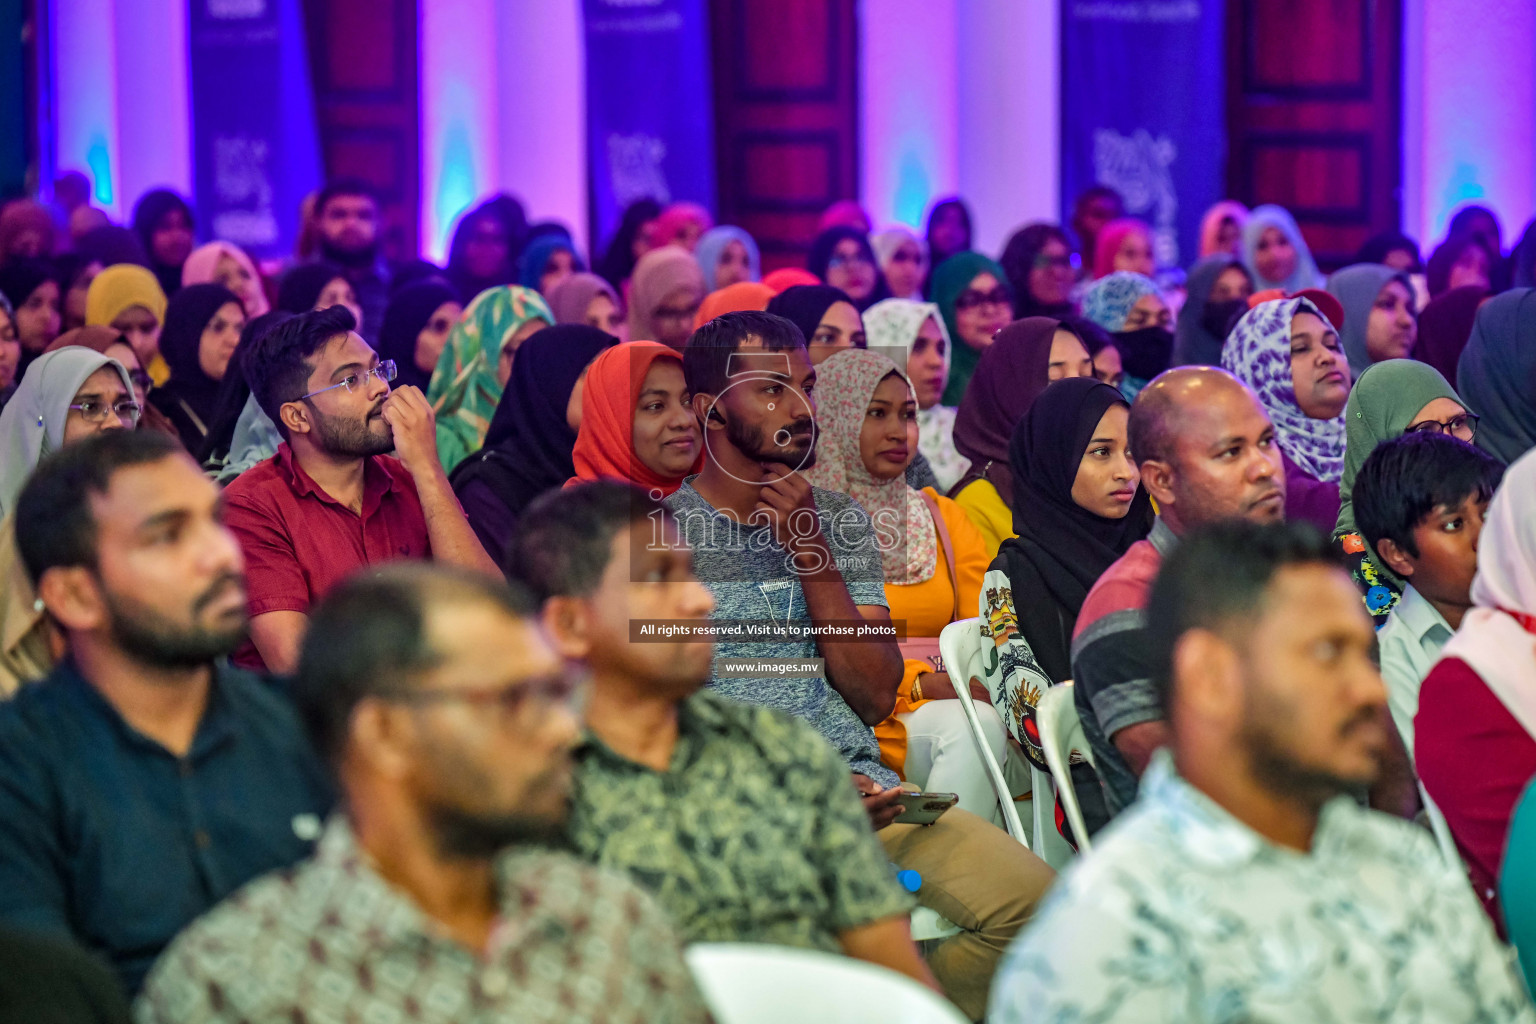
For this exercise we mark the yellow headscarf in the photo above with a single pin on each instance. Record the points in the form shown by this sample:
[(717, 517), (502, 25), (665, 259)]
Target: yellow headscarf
[(123, 286)]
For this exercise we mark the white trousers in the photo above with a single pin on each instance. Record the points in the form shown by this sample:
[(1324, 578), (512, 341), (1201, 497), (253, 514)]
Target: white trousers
[(942, 756)]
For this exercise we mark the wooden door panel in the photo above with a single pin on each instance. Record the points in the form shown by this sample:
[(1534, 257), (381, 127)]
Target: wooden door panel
[(786, 128), (1314, 115)]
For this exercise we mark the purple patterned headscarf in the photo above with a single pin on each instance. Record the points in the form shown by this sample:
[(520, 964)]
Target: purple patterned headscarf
[(1258, 353)]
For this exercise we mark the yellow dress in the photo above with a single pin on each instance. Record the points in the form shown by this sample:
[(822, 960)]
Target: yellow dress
[(926, 608), (989, 512)]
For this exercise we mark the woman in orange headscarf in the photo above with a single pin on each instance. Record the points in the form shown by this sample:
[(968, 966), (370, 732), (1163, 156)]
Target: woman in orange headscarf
[(636, 421)]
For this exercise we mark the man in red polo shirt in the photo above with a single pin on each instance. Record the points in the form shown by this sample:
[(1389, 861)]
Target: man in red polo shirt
[(332, 500)]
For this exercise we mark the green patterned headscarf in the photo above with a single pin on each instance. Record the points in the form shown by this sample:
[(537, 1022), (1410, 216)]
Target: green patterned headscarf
[(950, 278), (1382, 404), (464, 390)]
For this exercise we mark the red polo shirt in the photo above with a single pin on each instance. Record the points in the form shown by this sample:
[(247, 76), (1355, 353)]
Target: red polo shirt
[(299, 542)]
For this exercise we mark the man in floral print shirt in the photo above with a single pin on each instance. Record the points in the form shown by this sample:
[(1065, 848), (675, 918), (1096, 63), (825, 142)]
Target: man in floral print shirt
[(1244, 885), (450, 720)]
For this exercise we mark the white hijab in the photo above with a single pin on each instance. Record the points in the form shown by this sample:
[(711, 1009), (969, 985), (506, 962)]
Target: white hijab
[(1491, 640), (32, 423)]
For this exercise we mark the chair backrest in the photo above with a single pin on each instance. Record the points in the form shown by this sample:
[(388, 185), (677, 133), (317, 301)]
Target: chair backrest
[(967, 655), (1061, 732), (748, 983)]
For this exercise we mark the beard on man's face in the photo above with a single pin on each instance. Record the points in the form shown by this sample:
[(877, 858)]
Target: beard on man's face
[(358, 439), (468, 835), (151, 639), (754, 443)]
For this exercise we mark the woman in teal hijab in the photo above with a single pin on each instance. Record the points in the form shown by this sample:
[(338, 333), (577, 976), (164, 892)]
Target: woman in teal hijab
[(976, 302), (1388, 398)]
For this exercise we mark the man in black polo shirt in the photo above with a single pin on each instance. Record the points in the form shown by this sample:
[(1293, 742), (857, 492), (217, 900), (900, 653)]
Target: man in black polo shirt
[(142, 781)]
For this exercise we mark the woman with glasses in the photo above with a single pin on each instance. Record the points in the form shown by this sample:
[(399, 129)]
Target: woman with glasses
[(665, 294), (974, 297), (842, 257), (66, 395), (115, 345), (202, 329), (1380, 320), (1390, 399), (1038, 262)]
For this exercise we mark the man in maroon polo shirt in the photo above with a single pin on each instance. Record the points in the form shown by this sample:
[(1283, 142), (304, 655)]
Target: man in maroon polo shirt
[(332, 499)]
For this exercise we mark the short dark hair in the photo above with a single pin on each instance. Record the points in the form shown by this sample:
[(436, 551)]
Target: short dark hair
[(1147, 430), (707, 357), (349, 186), (1406, 478), (561, 545), (54, 524), (368, 637), (281, 360), (1219, 573)]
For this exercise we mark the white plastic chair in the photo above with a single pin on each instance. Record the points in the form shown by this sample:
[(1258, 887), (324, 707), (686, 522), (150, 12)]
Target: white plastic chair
[(1061, 733), (968, 654), (748, 983), (964, 651)]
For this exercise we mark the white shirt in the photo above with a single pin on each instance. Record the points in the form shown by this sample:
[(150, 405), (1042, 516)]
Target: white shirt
[(1183, 913), (1410, 642)]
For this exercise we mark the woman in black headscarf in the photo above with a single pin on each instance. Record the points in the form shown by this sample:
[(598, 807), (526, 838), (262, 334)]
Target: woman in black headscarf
[(532, 435), (1218, 288), (827, 316), (235, 392), (415, 331), (1038, 262), (628, 244), (843, 258), (949, 230), (486, 246), (202, 330), (163, 221)]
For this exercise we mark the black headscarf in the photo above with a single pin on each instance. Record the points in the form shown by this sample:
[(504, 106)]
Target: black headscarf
[(110, 244), (618, 261), (821, 255), (1382, 244), (150, 210), (528, 446), (190, 390), (805, 304), (303, 284), (1018, 259), (509, 213), (1196, 339), (235, 389), (407, 313), (1061, 549), (936, 255)]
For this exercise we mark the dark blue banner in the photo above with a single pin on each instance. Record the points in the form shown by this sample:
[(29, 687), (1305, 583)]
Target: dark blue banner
[(650, 114), (1143, 111), (255, 148)]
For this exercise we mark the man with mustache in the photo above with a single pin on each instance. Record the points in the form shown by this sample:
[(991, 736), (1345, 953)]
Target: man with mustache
[(1245, 883), (774, 550), (441, 892), (1207, 452), (141, 781), (332, 500)]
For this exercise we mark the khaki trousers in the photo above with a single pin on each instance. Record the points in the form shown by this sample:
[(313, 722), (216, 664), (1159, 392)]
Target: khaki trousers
[(981, 879)]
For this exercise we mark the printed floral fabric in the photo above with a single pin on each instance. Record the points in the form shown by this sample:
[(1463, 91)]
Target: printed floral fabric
[(1258, 353), (1109, 300), (936, 440), (1019, 681), (331, 942), (1182, 913)]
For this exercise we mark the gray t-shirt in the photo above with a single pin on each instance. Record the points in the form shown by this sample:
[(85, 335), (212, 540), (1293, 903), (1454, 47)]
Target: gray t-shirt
[(750, 576)]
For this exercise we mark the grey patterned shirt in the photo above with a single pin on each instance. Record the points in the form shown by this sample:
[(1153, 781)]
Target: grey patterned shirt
[(1182, 913), (330, 941)]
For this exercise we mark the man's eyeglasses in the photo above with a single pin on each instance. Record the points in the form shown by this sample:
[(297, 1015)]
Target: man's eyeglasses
[(970, 298), (385, 371), (1463, 427), (126, 411), (528, 703)]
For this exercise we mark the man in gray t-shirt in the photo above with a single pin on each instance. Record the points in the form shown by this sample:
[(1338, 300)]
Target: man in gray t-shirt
[(779, 556)]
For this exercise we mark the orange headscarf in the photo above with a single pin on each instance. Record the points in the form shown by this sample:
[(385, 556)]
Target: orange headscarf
[(733, 298), (605, 444)]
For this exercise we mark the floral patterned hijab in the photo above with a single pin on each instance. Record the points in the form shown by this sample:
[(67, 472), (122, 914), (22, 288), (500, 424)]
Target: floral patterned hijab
[(464, 391), (1258, 353), (844, 385), (892, 324)]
